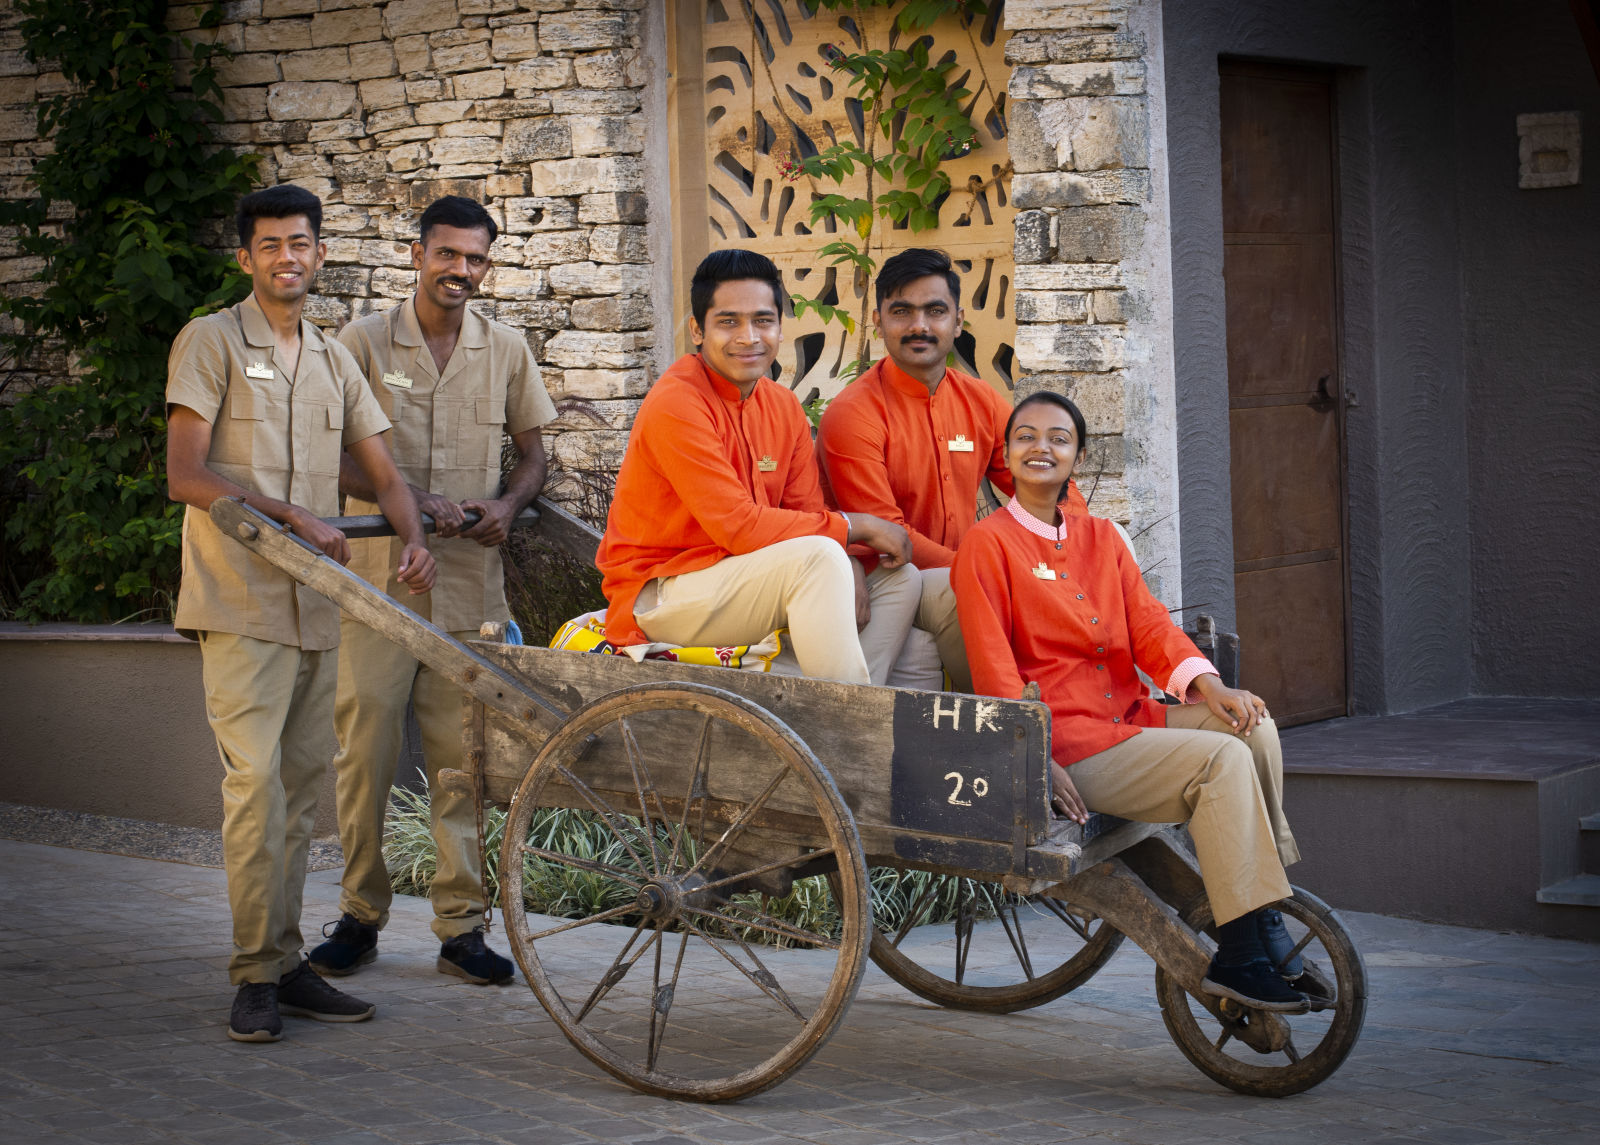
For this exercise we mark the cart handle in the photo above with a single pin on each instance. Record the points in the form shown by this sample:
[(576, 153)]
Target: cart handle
[(468, 670)]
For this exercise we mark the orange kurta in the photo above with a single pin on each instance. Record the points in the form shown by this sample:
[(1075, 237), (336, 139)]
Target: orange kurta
[(884, 449), (707, 475), (1078, 635)]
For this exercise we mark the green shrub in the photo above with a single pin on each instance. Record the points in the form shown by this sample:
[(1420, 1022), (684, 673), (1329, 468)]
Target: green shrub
[(134, 175)]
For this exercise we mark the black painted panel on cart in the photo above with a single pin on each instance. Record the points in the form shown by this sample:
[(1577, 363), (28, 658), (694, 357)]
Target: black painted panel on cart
[(960, 764)]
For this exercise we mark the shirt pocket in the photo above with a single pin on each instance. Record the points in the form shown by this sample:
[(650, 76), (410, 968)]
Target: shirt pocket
[(327, 439), (479, 431), (236, 433), (392, 401)]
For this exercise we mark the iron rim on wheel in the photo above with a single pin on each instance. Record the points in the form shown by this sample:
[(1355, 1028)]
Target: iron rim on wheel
[(699, 796), (1000, 953), (1317, 1042)]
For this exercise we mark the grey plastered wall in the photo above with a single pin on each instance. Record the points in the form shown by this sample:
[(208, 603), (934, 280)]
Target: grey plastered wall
[(1401, 339), (1530, 279), (114, 724)]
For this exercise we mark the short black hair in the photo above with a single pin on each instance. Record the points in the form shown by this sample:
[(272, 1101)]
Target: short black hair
[(732, 266), (914, 263), (284, 201), (455, 211)]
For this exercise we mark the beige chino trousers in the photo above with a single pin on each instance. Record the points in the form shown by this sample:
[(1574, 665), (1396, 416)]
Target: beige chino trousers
[(1228, 788), (271, 708), (376, 678), (805, 584)]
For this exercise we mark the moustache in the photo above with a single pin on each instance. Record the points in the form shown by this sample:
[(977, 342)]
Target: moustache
[(461, 282), (915, 341)]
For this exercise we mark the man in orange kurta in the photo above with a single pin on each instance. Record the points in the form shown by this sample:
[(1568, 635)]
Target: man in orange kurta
[(718, 533), (911, 439)]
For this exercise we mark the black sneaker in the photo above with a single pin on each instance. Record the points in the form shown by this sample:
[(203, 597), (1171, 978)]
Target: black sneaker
[(467, 956), (1255, 984), (1275, 939), (254, 1017), (304, 994), (351, 946)]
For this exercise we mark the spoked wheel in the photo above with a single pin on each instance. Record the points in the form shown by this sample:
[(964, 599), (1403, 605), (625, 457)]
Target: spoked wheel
[(996, 951), (669, 961), (1316, 1043)]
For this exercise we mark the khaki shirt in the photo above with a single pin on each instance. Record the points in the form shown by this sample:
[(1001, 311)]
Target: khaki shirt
[(276, 433), (448, 435)]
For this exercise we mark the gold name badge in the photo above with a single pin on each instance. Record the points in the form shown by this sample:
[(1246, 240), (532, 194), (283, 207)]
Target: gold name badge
[(766, 464), (960, 444), (259, 370), (396, 378), (1044, 572)]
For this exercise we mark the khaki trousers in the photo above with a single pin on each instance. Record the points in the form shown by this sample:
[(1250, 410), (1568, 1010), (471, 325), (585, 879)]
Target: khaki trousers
[(1229, 790), (936, 615), (270, 707), (376, 678), (805, 584)]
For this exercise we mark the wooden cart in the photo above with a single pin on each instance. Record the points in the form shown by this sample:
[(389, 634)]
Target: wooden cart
[(709, 799)]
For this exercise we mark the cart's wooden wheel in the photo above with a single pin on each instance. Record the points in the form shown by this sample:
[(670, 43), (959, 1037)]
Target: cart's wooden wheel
[(1000, 953), (656, 969), (1318, 1041)]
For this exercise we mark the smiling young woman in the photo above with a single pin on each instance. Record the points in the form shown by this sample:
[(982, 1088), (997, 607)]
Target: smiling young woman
[(1047, 593)]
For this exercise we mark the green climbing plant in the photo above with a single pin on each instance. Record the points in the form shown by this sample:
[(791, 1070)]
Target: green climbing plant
[(913, 120), (122, 199)]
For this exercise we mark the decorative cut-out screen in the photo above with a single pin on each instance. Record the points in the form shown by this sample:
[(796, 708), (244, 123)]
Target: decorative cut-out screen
[(765, 93)]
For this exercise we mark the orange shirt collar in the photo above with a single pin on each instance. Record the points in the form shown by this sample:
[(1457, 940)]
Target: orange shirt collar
[(725, 389), (904, 382)]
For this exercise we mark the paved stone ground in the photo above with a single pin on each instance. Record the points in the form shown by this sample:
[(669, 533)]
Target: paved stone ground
[(113, 997)]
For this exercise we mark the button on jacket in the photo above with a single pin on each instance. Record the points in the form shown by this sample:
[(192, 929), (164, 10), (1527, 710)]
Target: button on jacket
[(448, 435), (278, 433), (884, 449), (1075, 619), (707, 475)]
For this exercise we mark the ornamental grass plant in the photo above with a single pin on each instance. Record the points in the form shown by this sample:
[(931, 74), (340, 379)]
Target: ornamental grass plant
[(566, 892)]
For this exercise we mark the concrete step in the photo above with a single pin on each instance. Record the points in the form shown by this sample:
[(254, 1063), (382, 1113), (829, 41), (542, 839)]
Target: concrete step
[(1580, 890), (1589, 842)]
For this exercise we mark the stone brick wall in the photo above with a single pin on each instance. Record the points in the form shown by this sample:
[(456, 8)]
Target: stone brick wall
[(380, 106), (1090, 234)]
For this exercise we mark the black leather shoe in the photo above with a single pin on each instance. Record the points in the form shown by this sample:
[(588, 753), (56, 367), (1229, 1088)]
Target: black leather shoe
[(1255, 984), (350, 946), (468, 956)]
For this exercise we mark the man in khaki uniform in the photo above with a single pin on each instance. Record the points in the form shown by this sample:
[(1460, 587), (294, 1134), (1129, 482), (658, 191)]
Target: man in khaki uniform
[(453, 383), (260, 406)]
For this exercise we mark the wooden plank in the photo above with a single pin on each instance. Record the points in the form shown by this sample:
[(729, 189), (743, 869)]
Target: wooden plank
[(933, 779)]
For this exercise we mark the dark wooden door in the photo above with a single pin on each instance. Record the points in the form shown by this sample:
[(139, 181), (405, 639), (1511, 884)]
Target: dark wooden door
[(1280, 242)]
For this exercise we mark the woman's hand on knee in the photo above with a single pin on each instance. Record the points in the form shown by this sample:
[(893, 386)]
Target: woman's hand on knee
[(1240, 709), (1064, 797)]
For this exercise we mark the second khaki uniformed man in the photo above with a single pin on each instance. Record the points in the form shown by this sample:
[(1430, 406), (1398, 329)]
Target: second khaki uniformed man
[(452, 382), (259, 407)]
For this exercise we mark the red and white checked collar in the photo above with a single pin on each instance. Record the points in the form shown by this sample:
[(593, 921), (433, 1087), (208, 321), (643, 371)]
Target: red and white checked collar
[(1035, 526)]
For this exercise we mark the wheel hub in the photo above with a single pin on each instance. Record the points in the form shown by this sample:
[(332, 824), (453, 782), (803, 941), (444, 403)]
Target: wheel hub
[(665, 897)]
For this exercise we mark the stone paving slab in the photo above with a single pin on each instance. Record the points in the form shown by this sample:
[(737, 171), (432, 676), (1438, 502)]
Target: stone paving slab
[(113, 998)]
